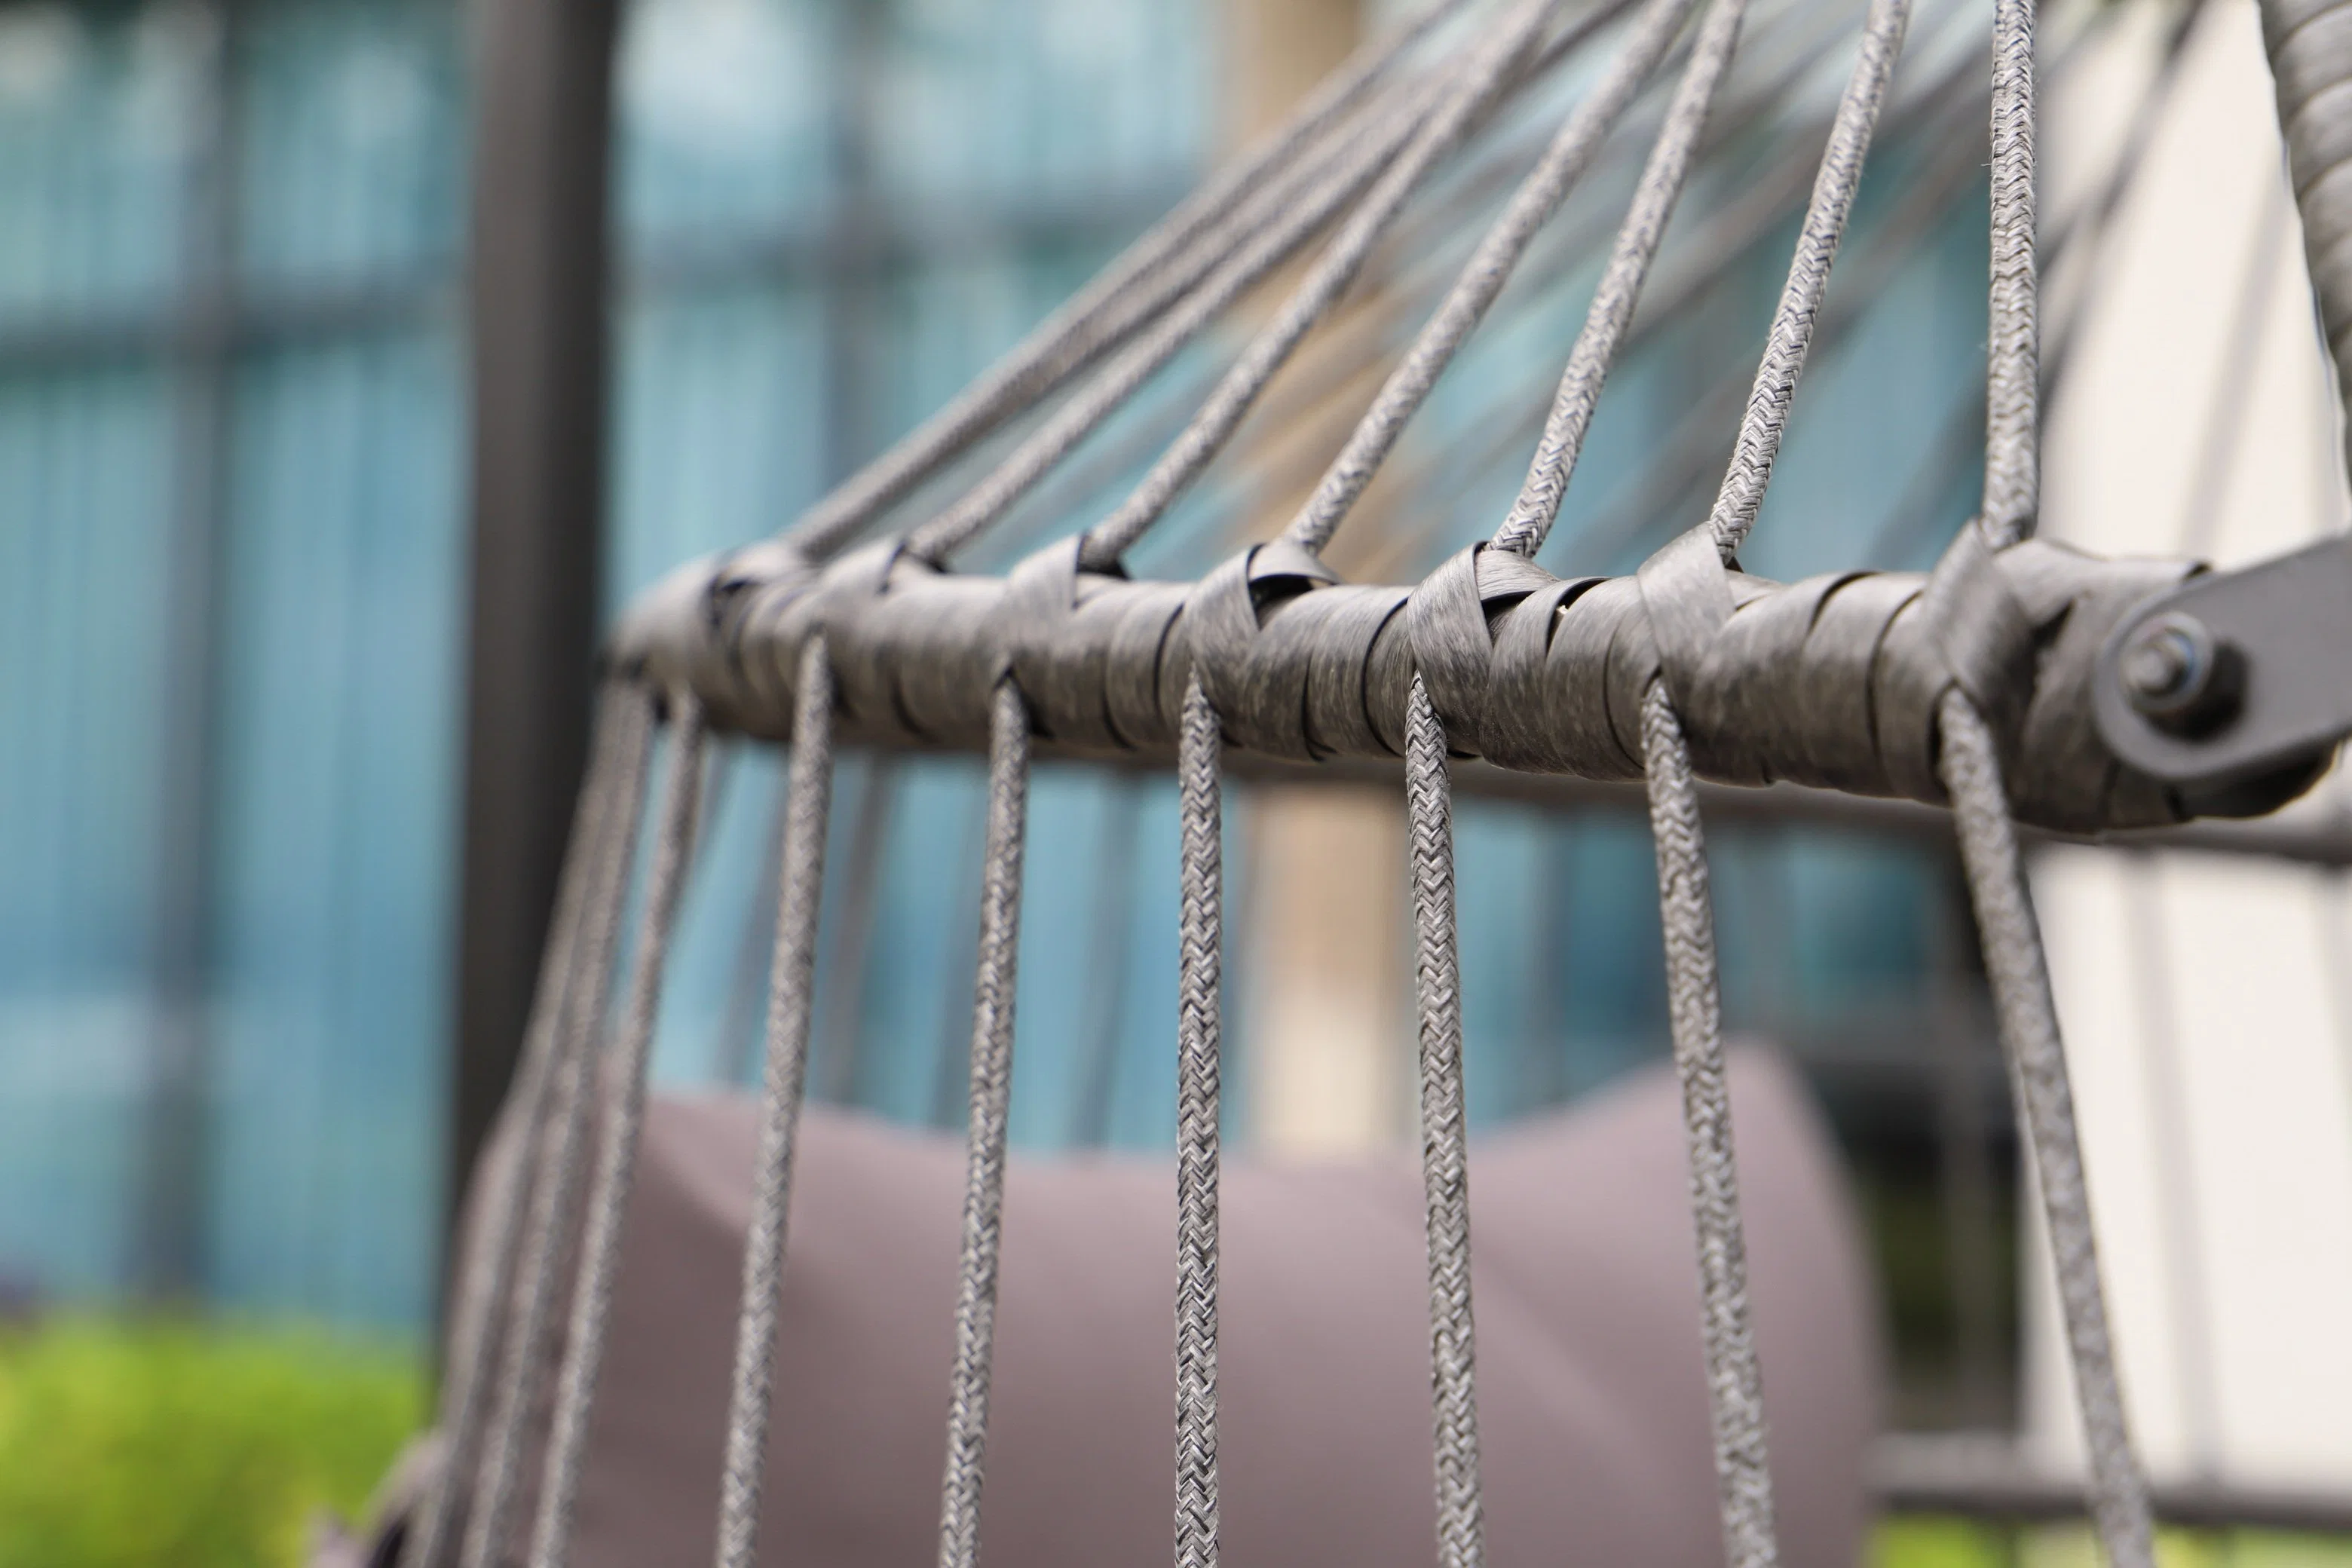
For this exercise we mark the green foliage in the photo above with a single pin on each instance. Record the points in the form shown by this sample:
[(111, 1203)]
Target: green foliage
[(170, 1445), (1927, 1541)]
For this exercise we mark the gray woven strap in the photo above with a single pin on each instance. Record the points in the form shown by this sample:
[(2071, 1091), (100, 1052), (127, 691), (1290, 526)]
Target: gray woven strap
[(556, 1164), (792, 978), (992, 1089), (1831, 681), (622, 1093), (1695, 1006), (484, 1319), (2028, 1022), (1444, 1150), (1199, 1034)]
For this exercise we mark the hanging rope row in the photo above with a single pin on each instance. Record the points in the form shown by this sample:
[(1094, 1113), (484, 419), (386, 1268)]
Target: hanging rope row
[(1969, 685)]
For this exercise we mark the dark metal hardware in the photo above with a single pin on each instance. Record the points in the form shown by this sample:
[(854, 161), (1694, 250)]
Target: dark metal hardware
[(2235, 677)]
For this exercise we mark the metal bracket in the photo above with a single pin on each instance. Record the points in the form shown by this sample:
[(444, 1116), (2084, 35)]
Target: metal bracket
[(2234, 678)]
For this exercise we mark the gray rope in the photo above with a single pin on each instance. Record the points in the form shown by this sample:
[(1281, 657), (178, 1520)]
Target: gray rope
[(1199, 1039), (556, 1183), (1487, 72), (2012, 377), (1620, 291), (2028, 1020), (1158, 267), (1357, 163), (1564, 162), (992, 1087), (1970, 769), (621, 1089), (1791, 334), (1444, 1158), (2309, 68), (800, 888), (607, 809), (1694, 1003)]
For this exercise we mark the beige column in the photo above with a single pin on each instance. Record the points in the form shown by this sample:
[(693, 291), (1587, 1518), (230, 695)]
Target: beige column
[(1319, 950)]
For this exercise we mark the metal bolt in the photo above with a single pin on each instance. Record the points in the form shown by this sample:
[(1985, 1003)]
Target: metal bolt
[(2178, 676)]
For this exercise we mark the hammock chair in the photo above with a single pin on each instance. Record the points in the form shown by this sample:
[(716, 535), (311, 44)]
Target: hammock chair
[(2018, 684)]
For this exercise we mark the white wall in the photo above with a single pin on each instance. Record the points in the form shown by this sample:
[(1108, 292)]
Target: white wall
[(2206, 1001)]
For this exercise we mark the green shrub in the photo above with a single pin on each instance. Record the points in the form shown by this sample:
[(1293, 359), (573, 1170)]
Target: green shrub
[(163, 1445), (1922, 1541)]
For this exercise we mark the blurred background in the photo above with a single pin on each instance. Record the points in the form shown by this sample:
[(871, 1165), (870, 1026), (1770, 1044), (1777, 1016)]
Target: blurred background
[(250, 515)]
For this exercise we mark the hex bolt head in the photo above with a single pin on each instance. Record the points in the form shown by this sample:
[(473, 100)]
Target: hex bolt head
[(2178, 676)]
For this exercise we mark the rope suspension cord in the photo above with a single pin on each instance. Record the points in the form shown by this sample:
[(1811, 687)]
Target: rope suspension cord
[(2027, 1021), (1445, 1155), (1694, 1004), (1355, 166), (1489, 71), (1620, 291), (1349, 156), (1418, 231), (483, 1326), (1970, 765), (992, 1087), (1571, 155), (1164, 263), (1735, 1383), (792, 981), (1694, 443), (1461, 1524), (1735, 1380), (621, 1089), (1414, 139), (2309, 68), (1200, 1036), (556, 1165)]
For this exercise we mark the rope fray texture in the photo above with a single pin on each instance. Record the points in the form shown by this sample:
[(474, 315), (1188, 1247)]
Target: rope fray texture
[(1831, 681)]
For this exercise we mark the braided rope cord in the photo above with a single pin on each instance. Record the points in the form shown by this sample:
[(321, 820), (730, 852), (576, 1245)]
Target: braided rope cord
[(1488, 73), (1734, 1377), (1539, 196), (1612, 310), (1162, 263), (2012, 481), (1354, 164), (792, 980), (621, 1089), (1793, 320), (992, 1087), (1199, 1039), (555, 1185), (1373, 161), (1970, 769), (1735, 1383), (2027, 1021), (484, 1315), (1445, 1155)]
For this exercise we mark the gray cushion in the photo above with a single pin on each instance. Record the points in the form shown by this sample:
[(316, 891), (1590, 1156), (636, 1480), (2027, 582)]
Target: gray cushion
[(1590, 1395)]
